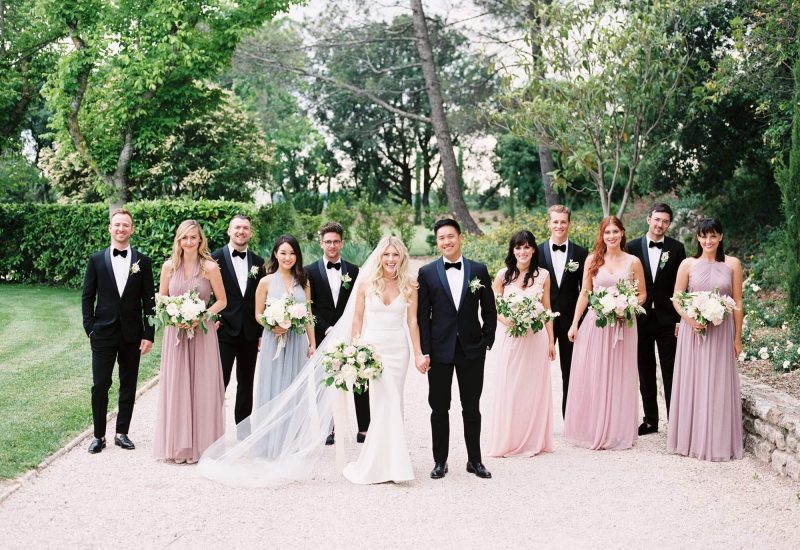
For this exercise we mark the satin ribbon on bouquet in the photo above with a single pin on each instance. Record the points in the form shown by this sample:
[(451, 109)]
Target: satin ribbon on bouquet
[(281, 345), (618, 334)]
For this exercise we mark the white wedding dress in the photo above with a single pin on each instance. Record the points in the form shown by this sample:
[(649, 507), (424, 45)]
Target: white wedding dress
[(384, 455)]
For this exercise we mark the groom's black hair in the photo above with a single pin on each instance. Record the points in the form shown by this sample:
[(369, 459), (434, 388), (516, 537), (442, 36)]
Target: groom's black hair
[(445, 222)]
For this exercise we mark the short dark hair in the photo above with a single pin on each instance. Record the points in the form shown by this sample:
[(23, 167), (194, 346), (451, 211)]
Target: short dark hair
[(661, 207), (331, 227), (445, 222), (241, 217)]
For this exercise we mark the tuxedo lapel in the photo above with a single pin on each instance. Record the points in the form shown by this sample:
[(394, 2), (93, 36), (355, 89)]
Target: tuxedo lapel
[(110, 269), (443, 280), (548, 259), (323, 275), (465, 286), (645, 257), (226, 253)]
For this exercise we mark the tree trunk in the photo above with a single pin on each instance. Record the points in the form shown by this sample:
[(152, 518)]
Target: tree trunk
[(455, 198), (547, 166)]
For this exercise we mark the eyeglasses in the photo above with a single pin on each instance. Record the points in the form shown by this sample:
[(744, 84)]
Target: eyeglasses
[(331, 243)]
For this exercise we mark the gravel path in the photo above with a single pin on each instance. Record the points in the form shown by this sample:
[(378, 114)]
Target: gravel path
[(571, 498)]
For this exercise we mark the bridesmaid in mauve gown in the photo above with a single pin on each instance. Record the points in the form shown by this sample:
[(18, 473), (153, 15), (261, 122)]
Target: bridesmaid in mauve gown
[(705, 419), (191, 392), (522, 413), (603, 401)]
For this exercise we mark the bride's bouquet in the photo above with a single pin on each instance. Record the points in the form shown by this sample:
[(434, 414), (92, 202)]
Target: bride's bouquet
[(525, 312), (705, 306), (616, 303), (181, 311), (350, 367), (288, 313)]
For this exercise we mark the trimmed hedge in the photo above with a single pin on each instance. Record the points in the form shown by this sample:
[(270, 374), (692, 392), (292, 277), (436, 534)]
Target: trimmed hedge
[(51, 243)]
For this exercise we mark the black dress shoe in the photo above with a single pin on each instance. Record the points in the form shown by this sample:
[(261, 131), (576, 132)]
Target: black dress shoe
[(97, 445), (479, 470), (439, 470), (361, 438), (331, 439), (122, 440), (647, 428)]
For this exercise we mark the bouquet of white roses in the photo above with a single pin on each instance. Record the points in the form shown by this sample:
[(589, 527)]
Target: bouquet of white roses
[(181, 311), (705, 306), (616, 303), (350, 367), (525, 312), (288, 313)]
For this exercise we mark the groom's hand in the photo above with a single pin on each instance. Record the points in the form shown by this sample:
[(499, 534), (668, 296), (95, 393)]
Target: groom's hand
[(423, 363), (145, 346)]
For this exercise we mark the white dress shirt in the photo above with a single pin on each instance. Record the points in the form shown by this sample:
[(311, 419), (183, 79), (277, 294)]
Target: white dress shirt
[(455, 278), (122, 268), (240, 268), (334, 279), (654, 255), (559, 260)]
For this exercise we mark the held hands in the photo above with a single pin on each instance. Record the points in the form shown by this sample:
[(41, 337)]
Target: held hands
[(145, 346), (423, 363)]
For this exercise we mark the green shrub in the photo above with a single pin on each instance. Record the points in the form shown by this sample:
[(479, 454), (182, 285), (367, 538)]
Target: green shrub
[(401, 218), (368, 229), (272, 221), (308, 202), (338, 210)]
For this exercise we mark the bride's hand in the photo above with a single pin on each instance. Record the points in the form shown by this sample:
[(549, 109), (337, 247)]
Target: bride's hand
[(423, 363)]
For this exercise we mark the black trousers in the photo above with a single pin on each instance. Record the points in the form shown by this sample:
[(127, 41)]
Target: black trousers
[(652, 334), (470, 386), (245, 353), (105, 353), (565, 358)]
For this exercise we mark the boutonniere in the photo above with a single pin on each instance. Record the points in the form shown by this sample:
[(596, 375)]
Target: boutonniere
[(475, 285), (135, 267), (253, 274), (664, 260), (572, 266), (346, 280)]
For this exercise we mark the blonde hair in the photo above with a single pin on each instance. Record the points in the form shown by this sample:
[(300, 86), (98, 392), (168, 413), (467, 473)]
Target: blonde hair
[(404, 282), (202, 248), (559, 209)]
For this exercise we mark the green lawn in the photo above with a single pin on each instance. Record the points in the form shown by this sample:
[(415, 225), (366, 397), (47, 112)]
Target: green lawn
[(45, 374)]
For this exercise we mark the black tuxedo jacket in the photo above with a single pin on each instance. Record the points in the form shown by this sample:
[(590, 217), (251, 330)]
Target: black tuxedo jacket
[(661, 285), (103, 307), (564, 297), (325, 312), (441, 325), (239, 315)]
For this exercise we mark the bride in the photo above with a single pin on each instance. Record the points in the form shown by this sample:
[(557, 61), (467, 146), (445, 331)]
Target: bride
[(382, 311)]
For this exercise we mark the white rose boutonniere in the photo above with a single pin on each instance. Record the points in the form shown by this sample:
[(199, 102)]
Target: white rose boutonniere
[(572, 266), (346, 280), (253, 273), (475, 285), (664, 260), (135, 267)]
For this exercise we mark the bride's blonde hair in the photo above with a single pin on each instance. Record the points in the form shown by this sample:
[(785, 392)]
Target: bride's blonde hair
[(404, 282)]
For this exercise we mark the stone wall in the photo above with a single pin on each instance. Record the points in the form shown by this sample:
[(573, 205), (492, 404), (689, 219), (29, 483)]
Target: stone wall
[(772, 427)]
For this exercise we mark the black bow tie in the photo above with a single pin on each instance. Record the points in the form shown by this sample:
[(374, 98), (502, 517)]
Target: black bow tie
[(237, 254), (337, 265), (448, 265), (123, 253), (654, 244), (561, 247)]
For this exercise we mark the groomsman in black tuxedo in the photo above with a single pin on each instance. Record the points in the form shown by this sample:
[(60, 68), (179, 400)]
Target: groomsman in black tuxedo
[(332, 280), (451, 291), (565, 261), (660, 257), (238, 331), (118, 295)]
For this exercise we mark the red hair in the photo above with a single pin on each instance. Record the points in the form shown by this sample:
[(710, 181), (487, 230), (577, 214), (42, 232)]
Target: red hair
[(600, 249)]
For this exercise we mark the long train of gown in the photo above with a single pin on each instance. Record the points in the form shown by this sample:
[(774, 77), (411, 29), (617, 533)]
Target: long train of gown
[(522, 412), (705, 419), (384, 455), (190, 412), (603, 400)]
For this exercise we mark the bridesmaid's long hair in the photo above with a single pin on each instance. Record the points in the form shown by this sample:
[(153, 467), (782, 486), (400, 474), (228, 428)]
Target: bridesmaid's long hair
[(521, 238), (298, 272), (404, 281), (600, 249), (202, 247), (704, 227)]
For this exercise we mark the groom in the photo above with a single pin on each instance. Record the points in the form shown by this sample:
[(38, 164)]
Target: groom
[(238, 331), (332, 279), (118, 294), (451, 290)]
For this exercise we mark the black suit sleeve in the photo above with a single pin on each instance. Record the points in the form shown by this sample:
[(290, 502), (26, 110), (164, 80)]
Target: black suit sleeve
[(148, 300), (88, 296), (424, 314), (488, 308)]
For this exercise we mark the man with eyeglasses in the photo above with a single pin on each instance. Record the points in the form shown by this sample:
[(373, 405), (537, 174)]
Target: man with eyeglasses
[(331, 280)]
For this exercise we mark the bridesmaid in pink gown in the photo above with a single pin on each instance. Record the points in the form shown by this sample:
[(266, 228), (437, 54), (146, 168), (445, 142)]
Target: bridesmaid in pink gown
[(522, 412), (705, 419), (191, 391), (603, 401)]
